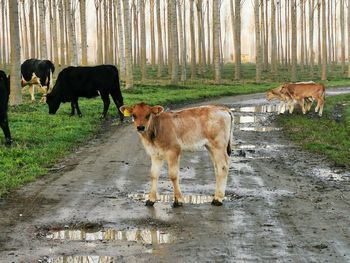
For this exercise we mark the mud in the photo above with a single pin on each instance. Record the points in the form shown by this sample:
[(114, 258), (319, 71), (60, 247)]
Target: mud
[(281, 205)]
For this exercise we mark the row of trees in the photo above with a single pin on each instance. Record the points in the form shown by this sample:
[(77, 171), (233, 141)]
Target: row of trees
[(174, 36)]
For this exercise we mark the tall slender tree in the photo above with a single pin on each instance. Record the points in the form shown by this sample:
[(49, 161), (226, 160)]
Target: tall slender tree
[(160, 41), (273, 38), (143, 38), (83, 30), (129, 79), (174, 43), (15, 95), (324, 42), (193, 44), (293, 7), (216, 41), (257, 41)]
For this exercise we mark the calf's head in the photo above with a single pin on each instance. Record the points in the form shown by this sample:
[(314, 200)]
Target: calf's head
[(141, 114), (274, 93)]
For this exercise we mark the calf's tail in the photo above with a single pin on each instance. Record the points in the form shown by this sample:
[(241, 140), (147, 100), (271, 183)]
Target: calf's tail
[(229, 149)]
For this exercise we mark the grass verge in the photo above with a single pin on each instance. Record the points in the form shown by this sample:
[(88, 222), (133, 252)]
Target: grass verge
[(328, 135)]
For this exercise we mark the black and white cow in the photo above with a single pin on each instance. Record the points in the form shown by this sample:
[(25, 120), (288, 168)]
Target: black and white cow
[(4, 98), (88, 82), (37, 72)]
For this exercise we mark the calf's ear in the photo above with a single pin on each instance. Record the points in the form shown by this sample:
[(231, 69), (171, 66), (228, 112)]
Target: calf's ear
[(126, 110), (157, 109)]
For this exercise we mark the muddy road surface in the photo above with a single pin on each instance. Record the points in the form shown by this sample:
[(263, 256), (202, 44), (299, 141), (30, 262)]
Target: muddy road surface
[(281, 205)]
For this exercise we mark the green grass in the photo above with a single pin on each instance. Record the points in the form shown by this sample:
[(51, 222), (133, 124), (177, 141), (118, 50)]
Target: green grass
[(327, 135), (41, 139)]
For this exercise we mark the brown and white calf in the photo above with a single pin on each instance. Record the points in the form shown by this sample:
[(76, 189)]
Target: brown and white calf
[(166, 134), (286, 99), (309, 91)]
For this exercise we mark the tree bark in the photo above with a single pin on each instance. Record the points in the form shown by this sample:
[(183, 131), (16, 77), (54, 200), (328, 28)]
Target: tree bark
[(311, 37), (182, 27), (193, 44), (324, 42), (273, 38), (15, 95), (129, 80), (121, 39), (143, 39), (216, 40), (293, 6), (82, 9), (175, 45), (160, 41), (257, 42), (237, 39), (342, 35), (153, 39), (43, 45)]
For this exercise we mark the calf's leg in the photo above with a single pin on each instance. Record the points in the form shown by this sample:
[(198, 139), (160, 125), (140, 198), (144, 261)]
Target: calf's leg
[(173, 159), (221, 166), (157, 164), (118, 104), (75, 106)]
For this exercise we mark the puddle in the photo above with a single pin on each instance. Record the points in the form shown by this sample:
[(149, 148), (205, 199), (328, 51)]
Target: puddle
[(144, 236), (188, 199), (79, 259), (331, 175), (257, 109), (260, 129)]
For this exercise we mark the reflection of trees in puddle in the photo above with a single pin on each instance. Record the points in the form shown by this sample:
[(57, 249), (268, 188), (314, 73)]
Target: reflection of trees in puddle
[(257, 109), (188, 199), (145, 236), (82, 259)]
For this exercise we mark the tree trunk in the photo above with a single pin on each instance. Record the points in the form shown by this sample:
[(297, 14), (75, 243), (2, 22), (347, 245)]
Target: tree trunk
[(54, 32), (43, 45), (153, 39), (257, 42), (273, 38), (143, 38), (129, 80), (324, 42), (15, 95), (62, 30), (25, 32), (342, 35), (311, 37), (208, 35), (294, 40), (160, 41), (121, 40), (302, 54), (193, 44), (348, 38), (182, 27), (237, 40), (72, 47), (175, 45), (82, 9), (216, 40)]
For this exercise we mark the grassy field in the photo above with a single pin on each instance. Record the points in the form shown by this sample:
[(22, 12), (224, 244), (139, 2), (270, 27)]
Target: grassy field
[(328, 135), (41, 139)]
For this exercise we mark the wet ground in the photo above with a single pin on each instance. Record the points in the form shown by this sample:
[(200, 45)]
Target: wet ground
[(281, 205)]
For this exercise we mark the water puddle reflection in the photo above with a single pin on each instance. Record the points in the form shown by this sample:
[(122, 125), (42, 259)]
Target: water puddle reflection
[(257, 109), (80, 259), (331, 175), (260, 129), (188, 199), (144, 236)]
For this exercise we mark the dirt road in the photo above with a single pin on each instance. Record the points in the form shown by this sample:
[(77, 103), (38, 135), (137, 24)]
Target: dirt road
[(282, 204)]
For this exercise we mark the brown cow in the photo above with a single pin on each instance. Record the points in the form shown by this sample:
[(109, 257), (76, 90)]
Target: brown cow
[(286, 99), (310, 91), (166, 134)]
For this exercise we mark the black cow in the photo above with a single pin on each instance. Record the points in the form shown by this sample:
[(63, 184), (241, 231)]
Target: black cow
[(4, 98), (37, 72), (88, 82)]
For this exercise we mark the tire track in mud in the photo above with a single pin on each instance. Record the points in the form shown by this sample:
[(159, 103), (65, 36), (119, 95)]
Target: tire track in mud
[(282, 204)]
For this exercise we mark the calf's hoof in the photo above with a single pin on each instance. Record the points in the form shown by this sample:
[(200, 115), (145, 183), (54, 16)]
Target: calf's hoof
[(216, 202), (177, 204), (149, 203)]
